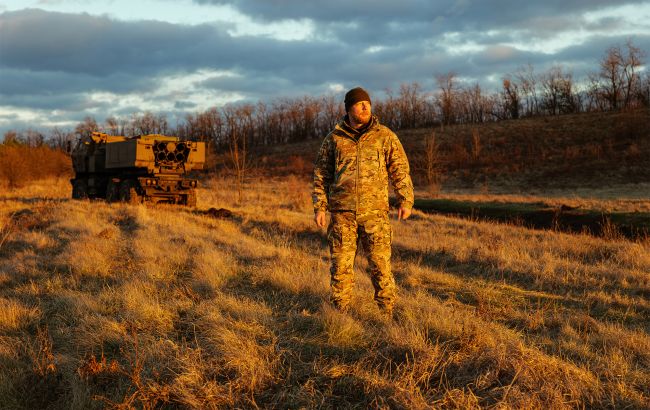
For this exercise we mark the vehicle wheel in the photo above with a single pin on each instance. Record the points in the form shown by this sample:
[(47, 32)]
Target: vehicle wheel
[(112, 191), (79, 189), (190, 199), (129, 192)]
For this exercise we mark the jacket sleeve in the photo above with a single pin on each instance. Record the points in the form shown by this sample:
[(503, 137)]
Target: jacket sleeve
[(323, 174), (399, 171)]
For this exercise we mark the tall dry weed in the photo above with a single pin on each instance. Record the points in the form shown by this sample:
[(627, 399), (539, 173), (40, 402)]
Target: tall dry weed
[(476, 144), (297, 193)]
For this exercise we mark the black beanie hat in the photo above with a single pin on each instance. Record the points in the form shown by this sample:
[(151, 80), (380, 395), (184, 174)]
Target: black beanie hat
[(354, 96)]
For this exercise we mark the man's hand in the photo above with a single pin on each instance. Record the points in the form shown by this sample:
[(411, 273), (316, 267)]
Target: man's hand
[(319, 218), (403, 213)]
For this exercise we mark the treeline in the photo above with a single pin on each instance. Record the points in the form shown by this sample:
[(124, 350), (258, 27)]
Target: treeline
[(618, 83)]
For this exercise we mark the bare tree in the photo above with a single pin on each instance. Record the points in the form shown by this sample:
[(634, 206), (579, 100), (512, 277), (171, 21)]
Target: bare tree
[(446, 97), (113, 126), (60, 139), (558, 92), (149, 123), (411, 105), (387, 110), (471, 104), (642, 92), (332, 113), (207, 126), (527, 80), (633, 60), (86, 127), (511, 98), (261, 123), (618, 77), (610, 73), (237, 143), (432, 163)]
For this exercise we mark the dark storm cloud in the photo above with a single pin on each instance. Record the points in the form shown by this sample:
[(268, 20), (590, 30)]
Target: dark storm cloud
[(14, 81), (365, 23), (70, 102), (409, 10), (460, 13), (79, 43)]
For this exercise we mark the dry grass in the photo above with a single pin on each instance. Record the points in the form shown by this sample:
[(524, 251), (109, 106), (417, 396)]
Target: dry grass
[(567, 154), (130, 306)]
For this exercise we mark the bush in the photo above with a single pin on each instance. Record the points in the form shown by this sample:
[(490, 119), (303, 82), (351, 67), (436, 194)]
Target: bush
[(21, 164)]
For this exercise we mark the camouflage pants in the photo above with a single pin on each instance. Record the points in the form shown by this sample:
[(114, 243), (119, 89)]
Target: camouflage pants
[(374, 230)]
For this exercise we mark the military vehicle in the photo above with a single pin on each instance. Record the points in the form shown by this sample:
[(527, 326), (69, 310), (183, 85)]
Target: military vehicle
[(151, 168)]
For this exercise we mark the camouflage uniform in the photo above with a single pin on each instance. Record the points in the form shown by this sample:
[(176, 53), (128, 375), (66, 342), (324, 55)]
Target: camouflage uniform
[(351, 181)]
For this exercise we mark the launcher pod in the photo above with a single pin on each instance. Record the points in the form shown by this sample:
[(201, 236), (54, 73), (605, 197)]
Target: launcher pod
[(152, 168)]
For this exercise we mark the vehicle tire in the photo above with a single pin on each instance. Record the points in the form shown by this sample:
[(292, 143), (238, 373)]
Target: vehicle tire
[(190, 199), (79, 189), (129, 192), (112, 191)]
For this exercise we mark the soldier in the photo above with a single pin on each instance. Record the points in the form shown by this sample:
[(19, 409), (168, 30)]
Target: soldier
[(351, 176)]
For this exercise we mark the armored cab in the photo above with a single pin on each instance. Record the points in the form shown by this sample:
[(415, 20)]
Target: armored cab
[(152, 168)]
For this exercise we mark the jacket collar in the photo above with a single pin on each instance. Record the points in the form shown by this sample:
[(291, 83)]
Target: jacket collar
[(343, 128)]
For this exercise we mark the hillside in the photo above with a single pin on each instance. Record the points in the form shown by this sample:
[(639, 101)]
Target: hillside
[(116, 306), (589, 151)]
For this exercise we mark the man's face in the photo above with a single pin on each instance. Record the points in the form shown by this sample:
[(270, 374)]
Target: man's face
[(360, 112)]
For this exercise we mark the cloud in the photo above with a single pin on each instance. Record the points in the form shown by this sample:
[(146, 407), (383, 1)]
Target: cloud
[(366, 23), (80, 43), (15, 81), (184, 105), (59, 102), (464, 14), (55, 63), (497, 54)]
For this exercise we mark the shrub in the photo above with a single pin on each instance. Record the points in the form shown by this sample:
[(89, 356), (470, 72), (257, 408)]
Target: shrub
[(21, 164)]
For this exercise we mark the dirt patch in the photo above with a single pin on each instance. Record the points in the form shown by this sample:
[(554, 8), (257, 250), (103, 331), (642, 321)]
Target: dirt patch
[(221, 213)]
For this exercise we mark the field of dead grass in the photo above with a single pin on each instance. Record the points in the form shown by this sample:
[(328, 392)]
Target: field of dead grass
[(110, 305)]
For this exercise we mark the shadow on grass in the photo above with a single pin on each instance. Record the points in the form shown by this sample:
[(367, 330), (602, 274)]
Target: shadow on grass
[(560, 293)]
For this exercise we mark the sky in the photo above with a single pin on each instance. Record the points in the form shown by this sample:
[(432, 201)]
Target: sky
[(63, 60)]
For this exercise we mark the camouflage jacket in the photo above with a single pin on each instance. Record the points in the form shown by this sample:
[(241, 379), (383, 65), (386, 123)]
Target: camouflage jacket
[(351, 171)]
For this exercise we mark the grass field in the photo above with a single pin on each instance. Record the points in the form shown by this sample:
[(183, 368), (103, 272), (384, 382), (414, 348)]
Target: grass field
[(131, 306)]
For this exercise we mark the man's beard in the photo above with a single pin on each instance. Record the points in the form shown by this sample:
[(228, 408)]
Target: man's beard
[(362, 118)]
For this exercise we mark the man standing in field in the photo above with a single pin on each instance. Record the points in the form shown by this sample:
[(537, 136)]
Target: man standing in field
[(351, 176)]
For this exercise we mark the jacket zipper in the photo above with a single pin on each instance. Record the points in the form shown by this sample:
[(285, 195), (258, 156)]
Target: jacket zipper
[(356, 184)]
